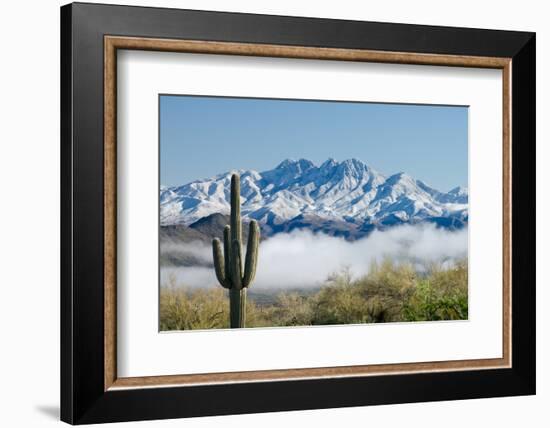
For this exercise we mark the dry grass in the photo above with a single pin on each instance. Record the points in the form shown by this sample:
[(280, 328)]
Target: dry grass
[(389, 292), (181, 309)]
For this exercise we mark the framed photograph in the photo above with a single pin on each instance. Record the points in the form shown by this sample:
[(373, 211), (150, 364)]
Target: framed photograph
[(266, 213)]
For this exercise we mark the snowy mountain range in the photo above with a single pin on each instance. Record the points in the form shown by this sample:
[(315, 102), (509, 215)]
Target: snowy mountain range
[(345, 198)]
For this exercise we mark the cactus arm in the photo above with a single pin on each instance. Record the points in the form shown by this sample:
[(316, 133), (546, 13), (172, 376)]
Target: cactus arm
[(219, 263), (251, 253), (236, 266), (227, 252)]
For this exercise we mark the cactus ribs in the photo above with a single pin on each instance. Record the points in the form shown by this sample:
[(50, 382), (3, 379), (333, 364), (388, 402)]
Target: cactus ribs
[(228, 262)]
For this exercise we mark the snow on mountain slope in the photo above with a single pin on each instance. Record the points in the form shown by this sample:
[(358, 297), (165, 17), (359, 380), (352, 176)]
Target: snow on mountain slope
[(347, 191)]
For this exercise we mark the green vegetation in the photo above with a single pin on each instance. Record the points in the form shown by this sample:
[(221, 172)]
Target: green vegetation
[(390, 292)]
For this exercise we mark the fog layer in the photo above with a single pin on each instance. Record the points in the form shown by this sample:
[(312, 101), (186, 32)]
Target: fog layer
[(303, 259)]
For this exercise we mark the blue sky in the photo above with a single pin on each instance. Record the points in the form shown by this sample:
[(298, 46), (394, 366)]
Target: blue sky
[(204, 136)]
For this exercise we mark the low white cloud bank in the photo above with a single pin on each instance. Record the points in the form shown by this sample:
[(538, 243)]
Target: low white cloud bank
[(303, 259), (194, 277), (200, 252)]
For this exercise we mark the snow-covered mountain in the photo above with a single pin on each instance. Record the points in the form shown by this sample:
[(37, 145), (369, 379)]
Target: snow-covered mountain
[(347, 195)]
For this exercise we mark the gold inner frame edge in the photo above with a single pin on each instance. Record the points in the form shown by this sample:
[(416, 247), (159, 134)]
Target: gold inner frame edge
[(113, 43)]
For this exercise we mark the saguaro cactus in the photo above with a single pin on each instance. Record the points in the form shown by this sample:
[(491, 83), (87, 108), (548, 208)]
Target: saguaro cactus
[(228, 262)]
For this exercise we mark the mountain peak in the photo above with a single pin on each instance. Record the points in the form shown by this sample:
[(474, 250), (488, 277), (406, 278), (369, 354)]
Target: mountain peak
[(302, 164), (328, 164), (353, 161), (458, 191), (352, 168), (400, 177), (286, 163), (347, 190)]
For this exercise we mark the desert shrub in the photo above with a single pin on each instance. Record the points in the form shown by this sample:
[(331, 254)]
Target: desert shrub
[(184, 309), (441, 295), (450, 279), (386, 287), (340, 301), (394, 292), (389, 292), (388, 278), (292, 309), (378, 296), (259, 315)]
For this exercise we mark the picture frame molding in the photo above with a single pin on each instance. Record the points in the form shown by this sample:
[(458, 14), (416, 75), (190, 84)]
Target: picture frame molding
[(90, 390), (114, 43)]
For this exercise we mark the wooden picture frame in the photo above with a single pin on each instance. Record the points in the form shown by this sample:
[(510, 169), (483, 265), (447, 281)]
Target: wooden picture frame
[(91, 390)]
